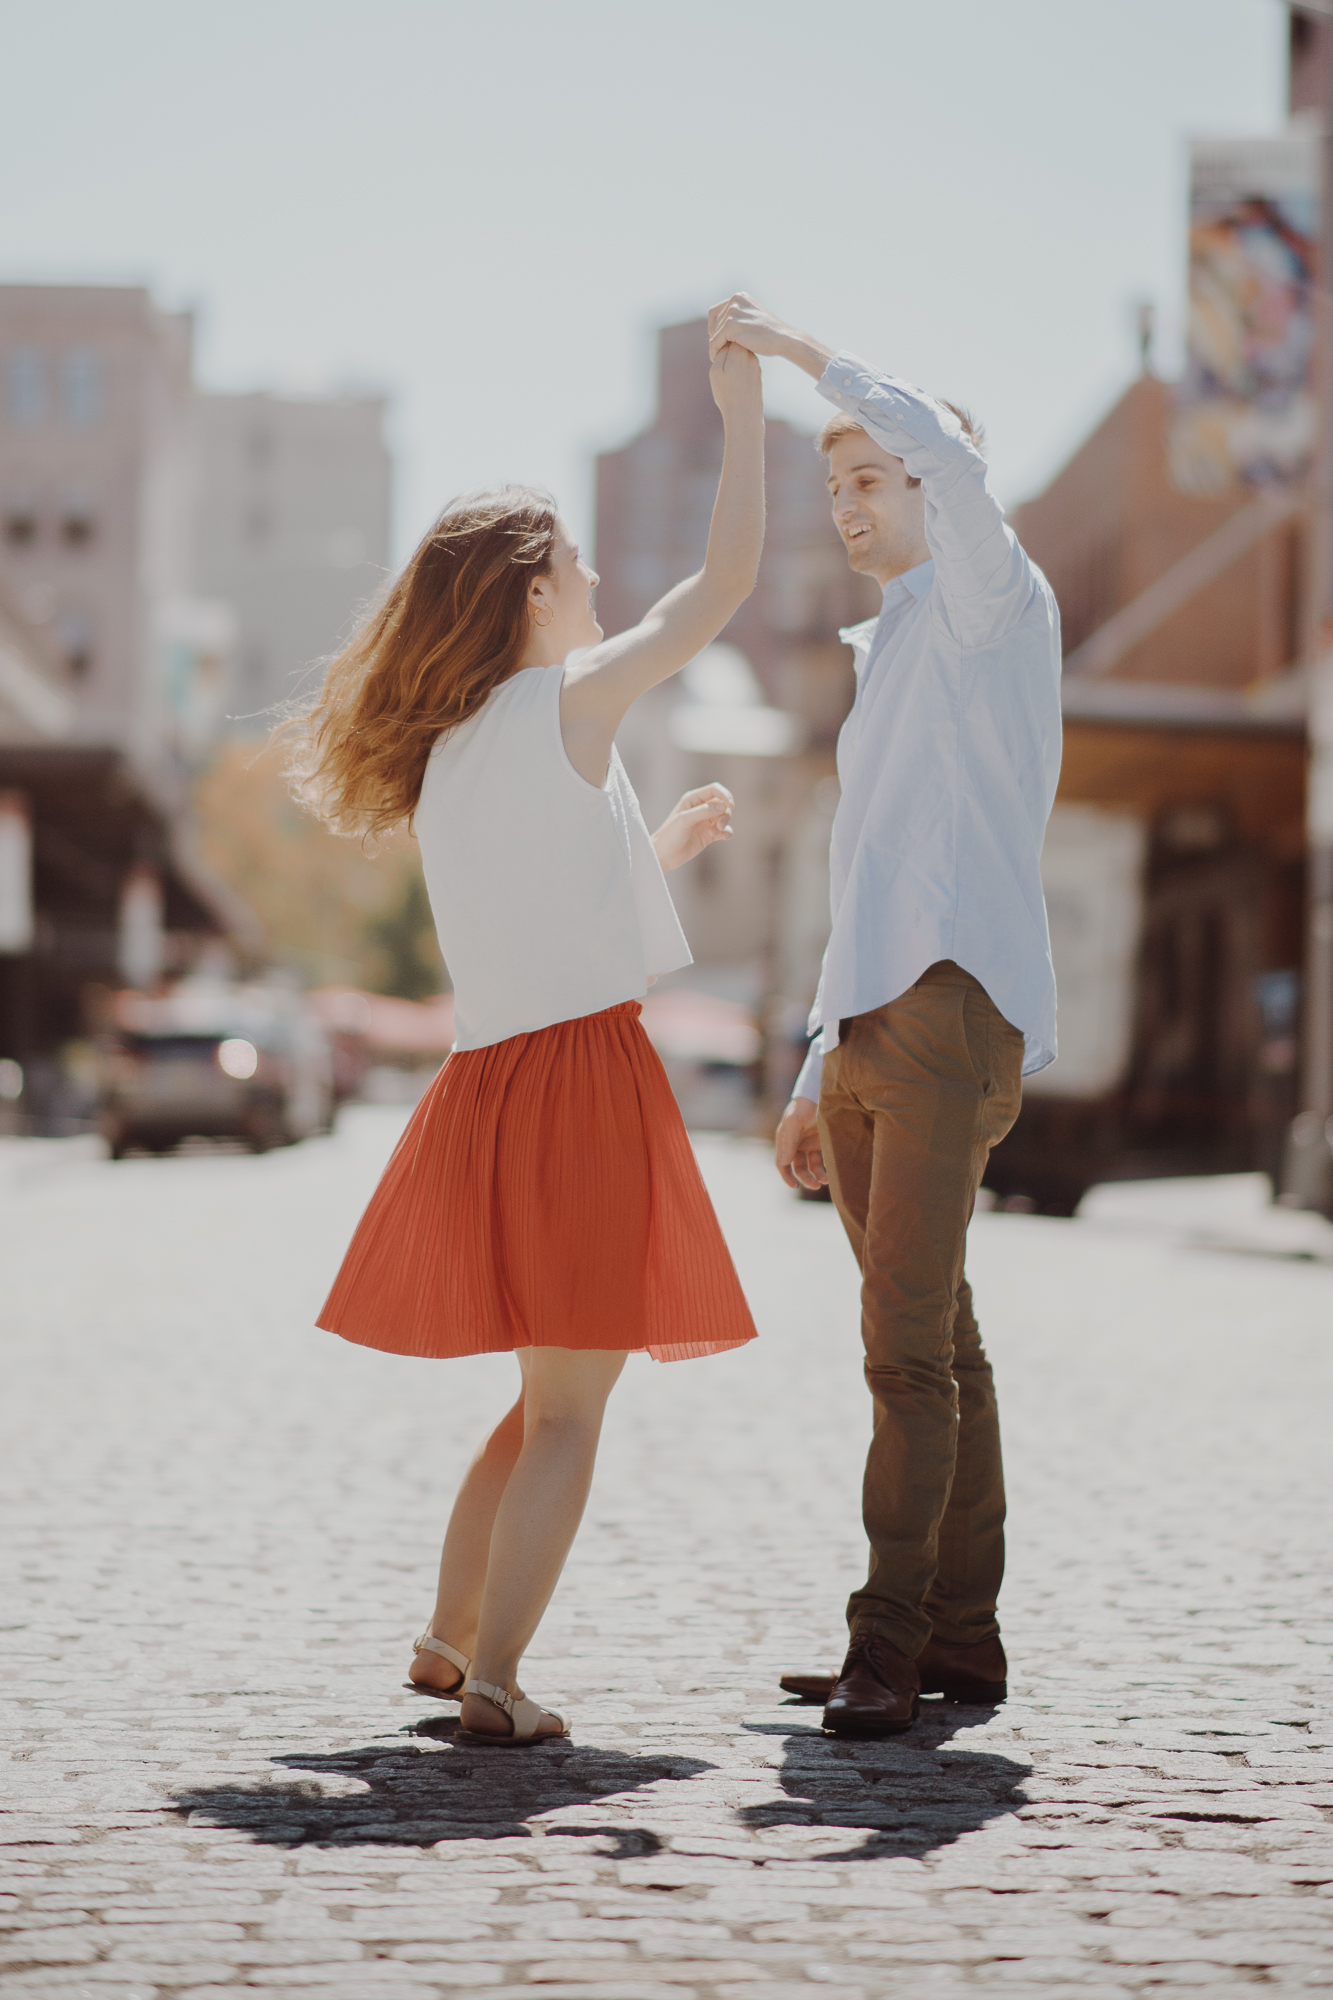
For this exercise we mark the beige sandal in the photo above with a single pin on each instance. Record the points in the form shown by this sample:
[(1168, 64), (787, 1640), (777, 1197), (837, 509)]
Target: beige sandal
[(427, 1644), (523, 1714)]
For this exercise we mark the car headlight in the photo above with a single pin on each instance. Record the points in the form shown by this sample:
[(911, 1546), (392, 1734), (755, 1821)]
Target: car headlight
[(237, 1058)]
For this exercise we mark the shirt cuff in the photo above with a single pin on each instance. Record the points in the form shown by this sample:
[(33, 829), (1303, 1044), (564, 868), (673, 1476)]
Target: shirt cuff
[(908, 424), (846, 379), (812, 1069)]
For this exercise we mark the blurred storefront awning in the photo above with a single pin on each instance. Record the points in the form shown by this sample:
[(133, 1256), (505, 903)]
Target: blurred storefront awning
[(92, 822)]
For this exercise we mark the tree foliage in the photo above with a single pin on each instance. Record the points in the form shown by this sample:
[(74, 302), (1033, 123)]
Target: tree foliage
[(337, 914)]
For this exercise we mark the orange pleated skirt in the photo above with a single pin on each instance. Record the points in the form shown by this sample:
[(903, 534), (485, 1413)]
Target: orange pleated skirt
[(544, 1194)]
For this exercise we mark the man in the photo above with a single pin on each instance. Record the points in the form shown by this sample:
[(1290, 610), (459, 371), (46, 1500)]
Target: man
[(936, 996)]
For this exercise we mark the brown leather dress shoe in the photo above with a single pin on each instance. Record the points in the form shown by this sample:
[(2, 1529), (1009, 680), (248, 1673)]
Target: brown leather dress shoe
[(964, 1673), (813, 1689), (876, 1694)]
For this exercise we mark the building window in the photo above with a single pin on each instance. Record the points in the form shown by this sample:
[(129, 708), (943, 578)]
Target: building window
[(20, 523), (81, 387), (78, 522), (25, 387), (74, 635)]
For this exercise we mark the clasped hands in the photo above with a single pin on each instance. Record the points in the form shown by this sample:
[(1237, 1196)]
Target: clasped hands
[(738, 323), (739, 331)]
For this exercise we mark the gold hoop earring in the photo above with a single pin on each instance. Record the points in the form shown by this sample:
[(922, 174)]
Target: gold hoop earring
[(543, 622)]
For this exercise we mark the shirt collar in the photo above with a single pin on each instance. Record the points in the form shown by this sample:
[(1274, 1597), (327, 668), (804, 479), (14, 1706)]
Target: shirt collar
[(917, 581)]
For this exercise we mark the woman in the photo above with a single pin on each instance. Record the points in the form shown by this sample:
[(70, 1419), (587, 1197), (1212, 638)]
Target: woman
[(544, 1197)]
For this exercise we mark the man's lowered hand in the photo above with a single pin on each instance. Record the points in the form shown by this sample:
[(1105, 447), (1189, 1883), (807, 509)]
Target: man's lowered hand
[(797, 1151)]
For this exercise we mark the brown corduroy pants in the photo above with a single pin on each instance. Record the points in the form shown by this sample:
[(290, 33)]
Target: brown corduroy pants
[(912, 1100)]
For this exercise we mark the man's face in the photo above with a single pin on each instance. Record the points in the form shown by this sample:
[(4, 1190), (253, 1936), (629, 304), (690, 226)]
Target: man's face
[(880, 517)]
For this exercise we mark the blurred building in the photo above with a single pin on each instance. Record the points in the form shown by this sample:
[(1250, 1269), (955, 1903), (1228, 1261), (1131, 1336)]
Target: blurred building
[(98, 888), (95, 489), (112, 672), (759, 711), (291, 530), (1111, 523), (35, 704), (1174, 861)]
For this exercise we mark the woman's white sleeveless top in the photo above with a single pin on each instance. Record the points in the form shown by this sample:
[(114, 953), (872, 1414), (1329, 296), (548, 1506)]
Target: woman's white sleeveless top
[(548, 897)]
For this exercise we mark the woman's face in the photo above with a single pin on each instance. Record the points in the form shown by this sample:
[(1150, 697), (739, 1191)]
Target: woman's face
[(560, 604)]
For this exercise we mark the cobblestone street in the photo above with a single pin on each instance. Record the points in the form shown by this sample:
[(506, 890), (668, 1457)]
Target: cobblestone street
[(221, 1534)]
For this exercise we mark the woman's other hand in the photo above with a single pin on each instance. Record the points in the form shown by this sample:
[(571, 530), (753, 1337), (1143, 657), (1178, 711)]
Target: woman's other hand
[(693, 823)]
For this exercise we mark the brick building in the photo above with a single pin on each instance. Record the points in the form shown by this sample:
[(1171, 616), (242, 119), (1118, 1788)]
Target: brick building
[(1174, 863), (1176, 858), (1111, 523)]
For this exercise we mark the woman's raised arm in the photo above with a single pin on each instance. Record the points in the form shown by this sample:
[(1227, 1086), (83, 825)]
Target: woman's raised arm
[(600, 687)]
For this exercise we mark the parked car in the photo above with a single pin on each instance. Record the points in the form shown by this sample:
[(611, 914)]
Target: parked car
[(210, 1061)]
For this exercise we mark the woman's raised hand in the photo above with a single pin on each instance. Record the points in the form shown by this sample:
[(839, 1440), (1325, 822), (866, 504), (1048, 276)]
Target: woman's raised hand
[(694, 822), (735, 380)]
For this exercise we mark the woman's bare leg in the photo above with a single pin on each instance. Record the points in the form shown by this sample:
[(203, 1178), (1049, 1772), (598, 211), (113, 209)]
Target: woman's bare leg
[(467, 1544), (565, 1392)]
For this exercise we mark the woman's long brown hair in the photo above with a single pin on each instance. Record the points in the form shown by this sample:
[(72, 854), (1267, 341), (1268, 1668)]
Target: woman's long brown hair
[(447, 632)]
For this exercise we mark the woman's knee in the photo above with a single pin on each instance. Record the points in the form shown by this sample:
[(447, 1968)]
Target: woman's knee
[(570, 1434), (569, 1385)]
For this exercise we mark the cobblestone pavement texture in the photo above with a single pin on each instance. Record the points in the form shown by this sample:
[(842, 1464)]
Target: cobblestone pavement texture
[(223, 1531)]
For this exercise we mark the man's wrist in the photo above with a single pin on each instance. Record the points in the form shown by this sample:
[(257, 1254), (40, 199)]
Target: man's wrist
[(805, 353)]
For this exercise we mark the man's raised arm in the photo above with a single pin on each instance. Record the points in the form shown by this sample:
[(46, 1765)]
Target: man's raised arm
[(985, 582)]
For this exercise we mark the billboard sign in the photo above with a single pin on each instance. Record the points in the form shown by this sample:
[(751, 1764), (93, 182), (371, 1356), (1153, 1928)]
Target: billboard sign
[(1245, 411)]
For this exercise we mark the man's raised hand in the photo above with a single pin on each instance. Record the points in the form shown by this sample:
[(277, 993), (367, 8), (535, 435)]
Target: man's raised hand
[(742, 323), (740, 320)]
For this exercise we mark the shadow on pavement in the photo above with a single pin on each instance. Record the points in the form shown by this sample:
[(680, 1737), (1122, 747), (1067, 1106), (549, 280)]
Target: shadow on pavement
[(908, 1793), (412, 1796)]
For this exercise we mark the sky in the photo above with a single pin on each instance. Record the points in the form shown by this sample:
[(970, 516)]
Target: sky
[(485, 210)]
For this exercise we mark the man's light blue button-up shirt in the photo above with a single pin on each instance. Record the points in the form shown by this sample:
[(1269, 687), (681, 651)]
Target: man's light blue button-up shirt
[(949, 759)]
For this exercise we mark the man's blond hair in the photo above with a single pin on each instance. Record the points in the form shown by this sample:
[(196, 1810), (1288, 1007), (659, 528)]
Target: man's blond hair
[(840, 425)]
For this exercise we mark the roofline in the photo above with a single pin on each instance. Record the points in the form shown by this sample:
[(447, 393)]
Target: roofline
[(1276, 708)]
